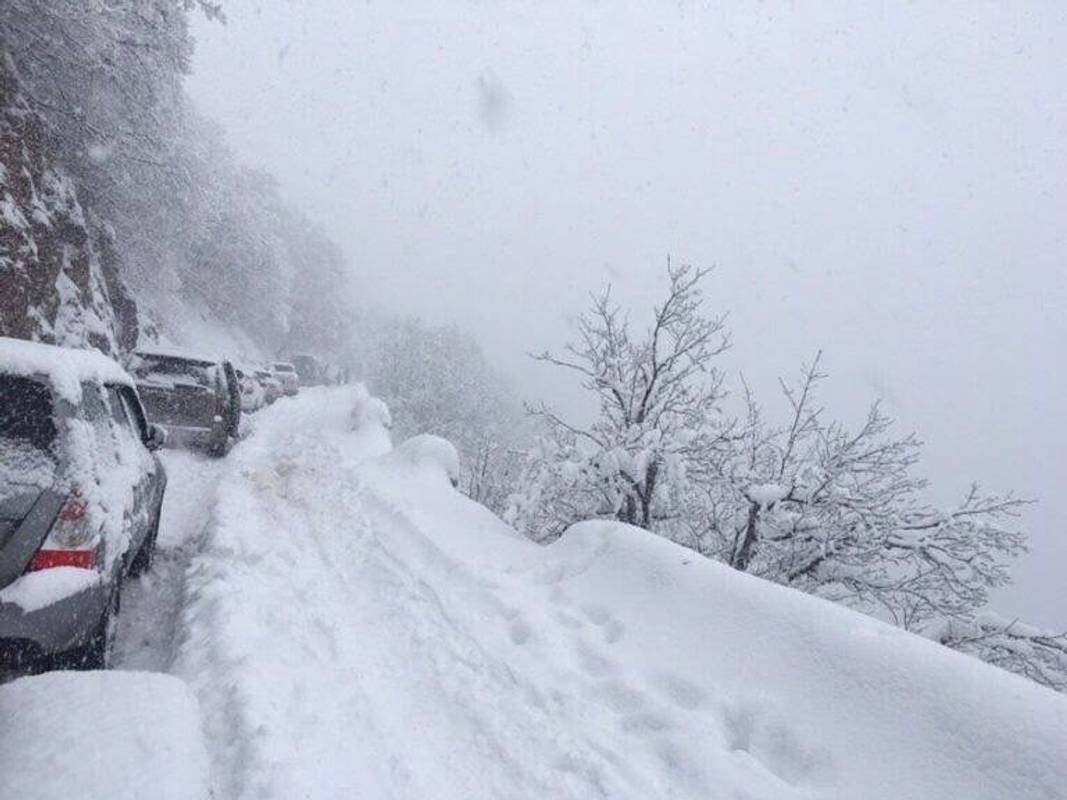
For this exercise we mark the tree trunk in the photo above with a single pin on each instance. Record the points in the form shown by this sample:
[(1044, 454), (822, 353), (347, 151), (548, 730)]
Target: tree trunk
[(743, 556)]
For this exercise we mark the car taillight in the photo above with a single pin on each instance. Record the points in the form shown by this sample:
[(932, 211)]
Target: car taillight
[(71, 542), (46, 559)]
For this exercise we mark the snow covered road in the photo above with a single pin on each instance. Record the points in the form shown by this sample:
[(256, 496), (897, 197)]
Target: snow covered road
[(353, 627), (151, 604)]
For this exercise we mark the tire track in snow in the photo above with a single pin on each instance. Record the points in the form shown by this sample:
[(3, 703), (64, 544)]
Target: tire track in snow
[(151, 605)]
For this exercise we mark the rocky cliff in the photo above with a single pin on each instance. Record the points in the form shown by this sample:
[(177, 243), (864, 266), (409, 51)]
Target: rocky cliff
[(59, 269)]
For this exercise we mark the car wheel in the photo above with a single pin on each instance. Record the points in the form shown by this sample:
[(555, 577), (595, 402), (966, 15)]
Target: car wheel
[(96, 652), (142, 562)]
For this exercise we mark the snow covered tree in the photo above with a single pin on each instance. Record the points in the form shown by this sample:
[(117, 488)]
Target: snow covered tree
[(839, 513), (812, 503), (1023, 649), (659, 415)]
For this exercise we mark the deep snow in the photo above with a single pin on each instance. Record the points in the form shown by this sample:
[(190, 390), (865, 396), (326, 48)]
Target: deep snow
[(101, 736), (356, 627), (352, 626)]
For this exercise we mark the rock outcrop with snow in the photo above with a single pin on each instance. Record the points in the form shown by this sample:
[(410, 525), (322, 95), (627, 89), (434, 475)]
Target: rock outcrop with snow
[(59, 272)]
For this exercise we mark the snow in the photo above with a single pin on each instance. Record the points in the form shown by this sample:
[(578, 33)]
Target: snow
[(35, 590), (101, 736), (427, 451), (354, 626), (178, 352), (65, 368), (191, 327), (151, 605), (23, 468), (767, 494)]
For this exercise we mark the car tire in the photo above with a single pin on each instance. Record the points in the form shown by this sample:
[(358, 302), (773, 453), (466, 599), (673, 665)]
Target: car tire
[(142, 562), (96, 652), (219, 449)]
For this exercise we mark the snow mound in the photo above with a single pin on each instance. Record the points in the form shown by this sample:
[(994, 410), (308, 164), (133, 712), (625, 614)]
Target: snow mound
[(101, 736), (371, 412), (427, 450), (356, 627), (64, 367)]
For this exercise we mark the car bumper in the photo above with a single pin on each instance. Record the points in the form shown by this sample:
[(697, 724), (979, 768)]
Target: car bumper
[(28, 635), (187, 436)]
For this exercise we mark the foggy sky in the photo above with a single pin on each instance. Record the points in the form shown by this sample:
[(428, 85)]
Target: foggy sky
[(887, 184)]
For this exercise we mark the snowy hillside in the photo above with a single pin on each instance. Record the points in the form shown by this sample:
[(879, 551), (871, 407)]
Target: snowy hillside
[(353, 626)]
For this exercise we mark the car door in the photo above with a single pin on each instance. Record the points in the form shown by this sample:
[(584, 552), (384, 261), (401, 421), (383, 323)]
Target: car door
[(156, 475), (132, 455)]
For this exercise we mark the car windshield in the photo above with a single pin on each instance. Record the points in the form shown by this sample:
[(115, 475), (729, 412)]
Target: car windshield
[(283, 368)]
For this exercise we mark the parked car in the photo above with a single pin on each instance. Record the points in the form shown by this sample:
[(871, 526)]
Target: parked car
[(80, 500), (195, 398), (310, 370), (253, 395), (272, 388), (287, 377)]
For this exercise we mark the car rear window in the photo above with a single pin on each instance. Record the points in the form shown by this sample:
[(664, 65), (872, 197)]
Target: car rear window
[(27, 434), (169, 370), (283, 368), (26, 412)]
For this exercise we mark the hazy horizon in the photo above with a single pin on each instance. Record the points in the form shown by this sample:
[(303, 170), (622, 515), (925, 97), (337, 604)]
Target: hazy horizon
[(887, 186)]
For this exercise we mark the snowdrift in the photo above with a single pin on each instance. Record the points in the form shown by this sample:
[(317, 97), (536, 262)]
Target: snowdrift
[(113, 735), (356, 627)]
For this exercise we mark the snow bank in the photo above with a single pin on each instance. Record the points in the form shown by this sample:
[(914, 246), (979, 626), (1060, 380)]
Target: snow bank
[(101, 736), (66, 368), (357, 627), (35, 590)]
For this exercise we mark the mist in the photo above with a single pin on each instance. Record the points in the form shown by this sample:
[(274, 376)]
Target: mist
[(886, 186)]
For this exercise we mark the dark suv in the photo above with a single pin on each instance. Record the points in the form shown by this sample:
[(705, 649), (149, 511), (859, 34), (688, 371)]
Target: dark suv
[(196, 399), (80, 498)]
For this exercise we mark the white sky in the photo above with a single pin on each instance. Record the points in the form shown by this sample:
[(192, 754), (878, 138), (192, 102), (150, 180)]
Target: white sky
[(887, 183)]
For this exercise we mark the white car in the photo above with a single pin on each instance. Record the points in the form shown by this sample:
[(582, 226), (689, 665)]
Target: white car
[(272, 389), (286, 375), (253, 395)]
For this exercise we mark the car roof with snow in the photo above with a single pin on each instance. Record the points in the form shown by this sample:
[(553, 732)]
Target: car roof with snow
[(66, 368), (204, 360), (163, 351)]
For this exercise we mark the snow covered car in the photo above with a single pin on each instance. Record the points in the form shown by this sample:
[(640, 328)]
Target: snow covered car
[(253, 395), (286, 375), (80, 498), (195, 398), (272, 387), (309, 370)]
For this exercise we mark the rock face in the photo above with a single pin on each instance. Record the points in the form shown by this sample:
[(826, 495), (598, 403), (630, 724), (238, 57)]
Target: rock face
[(59, 271)]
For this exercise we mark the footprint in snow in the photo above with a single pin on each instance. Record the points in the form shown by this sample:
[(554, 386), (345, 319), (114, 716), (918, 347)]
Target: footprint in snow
[(611, 630), (519, 631), (681, 692)]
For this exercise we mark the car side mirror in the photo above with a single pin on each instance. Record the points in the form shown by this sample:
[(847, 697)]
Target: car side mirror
[(157, 437)]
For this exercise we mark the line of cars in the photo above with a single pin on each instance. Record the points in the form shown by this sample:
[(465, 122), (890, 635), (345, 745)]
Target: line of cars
[(198, 399), (81, 486)]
